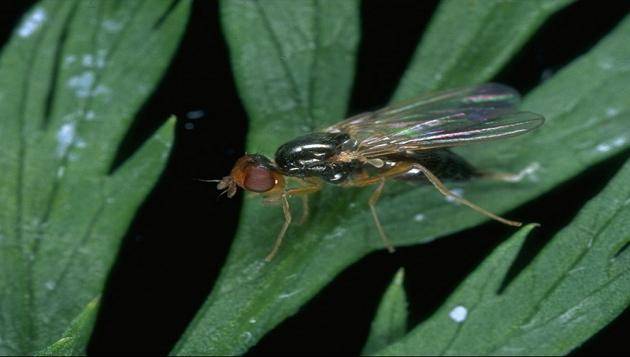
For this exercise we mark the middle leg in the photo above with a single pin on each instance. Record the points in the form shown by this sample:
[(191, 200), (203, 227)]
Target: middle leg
[(380, 179), (372, 202)]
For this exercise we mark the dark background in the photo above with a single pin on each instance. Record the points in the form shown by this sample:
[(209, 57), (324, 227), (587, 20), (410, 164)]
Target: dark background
[(179, 240)]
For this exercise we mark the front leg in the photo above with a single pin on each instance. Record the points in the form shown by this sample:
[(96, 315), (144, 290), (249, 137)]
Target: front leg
[(286, 210), (310, 186)]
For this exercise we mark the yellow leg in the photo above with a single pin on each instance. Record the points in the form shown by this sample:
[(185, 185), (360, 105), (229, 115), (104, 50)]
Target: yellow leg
[(446, 192), (372, 202), (310, 186), (370, 180), (287, 221), (305, 210)]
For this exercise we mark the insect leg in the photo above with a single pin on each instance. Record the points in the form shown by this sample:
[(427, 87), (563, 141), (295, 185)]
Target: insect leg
[(305, 210), (287, 221), (446, 192), (370, 180), (310, 186), (380, 179), (372, 202)]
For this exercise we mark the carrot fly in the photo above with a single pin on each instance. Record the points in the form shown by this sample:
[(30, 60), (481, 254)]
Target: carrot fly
[(405, 141)]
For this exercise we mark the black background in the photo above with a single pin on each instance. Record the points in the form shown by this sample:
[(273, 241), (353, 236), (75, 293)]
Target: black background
[(176, 245)]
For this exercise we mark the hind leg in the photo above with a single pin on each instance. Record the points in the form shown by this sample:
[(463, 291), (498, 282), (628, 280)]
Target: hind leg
[(446, 192)]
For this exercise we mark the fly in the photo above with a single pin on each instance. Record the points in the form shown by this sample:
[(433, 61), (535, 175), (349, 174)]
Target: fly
[(405, 141)]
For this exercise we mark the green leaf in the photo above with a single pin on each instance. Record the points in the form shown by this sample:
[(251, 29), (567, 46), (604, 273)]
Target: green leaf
[(578, 283), (77, 336), (390, 323), (587, 107), (470, 42), (285, 55), (72, 77), (294, 63)]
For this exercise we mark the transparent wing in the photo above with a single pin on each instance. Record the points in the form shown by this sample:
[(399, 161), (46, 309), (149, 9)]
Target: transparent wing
[(444, 119)]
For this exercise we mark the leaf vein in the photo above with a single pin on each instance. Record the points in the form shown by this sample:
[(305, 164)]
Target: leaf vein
[(285, 66)]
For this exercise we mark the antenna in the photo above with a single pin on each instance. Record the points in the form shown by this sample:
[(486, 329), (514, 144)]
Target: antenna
[(205, 180)]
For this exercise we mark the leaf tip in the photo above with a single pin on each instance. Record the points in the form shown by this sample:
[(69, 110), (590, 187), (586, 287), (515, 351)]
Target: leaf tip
[(399, 277)]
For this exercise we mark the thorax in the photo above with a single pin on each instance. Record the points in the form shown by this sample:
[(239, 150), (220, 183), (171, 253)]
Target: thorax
[(313, 155)]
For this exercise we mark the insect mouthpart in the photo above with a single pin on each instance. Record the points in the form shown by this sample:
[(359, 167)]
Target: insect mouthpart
[(228, 185)]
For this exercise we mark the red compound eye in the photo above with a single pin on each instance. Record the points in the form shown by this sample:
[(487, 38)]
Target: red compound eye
[(259, 179)]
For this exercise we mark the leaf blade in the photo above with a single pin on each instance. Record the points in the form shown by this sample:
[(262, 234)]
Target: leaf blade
[(477, 49), (76, 336), (282, 84), (573, 288), (390, 322), (59, 135), (320, 39), (337, 234)]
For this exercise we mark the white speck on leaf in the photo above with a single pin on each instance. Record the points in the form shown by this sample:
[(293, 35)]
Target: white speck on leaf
[(60, 171), (247, 336), (69, 59), (615, 143), (576, 270), (99, 60), (619, 141), (288, 295), (112, 25), (337, 233), (418, 217), (252, 321), (101, 89), (50, 285), (65, 136), (89, 115), (605, 64), (603, 148), (458, 314), (529, 171), (457, 192), (32, 23), (611, 112), (88, 60), (143, 88), (569, 314), (82, 84)]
